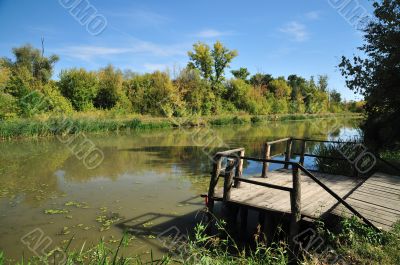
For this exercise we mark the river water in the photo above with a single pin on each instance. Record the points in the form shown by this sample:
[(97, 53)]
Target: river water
[(149, 182)]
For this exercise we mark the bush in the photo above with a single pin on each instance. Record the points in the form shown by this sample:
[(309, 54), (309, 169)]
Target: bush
[(246, 97), (279, 106), (195, 91), (57, 102), (8, 106), (154, 94), (80, 87), (110, 88)]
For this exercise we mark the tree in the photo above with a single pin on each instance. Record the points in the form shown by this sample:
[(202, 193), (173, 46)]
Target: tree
[(110, 88), (80, 87), (241, 73), (261, 79), (195, 91), (201, 59), (298, 85), (211, 63), (323, 83), (376, 75), (280, 88), (335, 97), (154, 94), (34, 61)]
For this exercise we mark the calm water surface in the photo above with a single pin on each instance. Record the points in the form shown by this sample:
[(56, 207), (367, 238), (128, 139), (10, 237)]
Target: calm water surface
[(147, 183)]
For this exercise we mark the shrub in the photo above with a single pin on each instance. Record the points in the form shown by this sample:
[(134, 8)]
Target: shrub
[(8, 106), (57, 102), (246, 97), (110, 88), (195, 91), (154, 94), (80, 87), (279, 106)]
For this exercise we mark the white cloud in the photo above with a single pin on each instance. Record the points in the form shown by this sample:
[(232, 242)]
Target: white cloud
[(212, 33), (155, 66), (90, 52), (141, 17), (296, 31), (313, 15)]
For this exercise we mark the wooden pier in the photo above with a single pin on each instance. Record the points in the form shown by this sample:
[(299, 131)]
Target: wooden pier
[(301, 194)]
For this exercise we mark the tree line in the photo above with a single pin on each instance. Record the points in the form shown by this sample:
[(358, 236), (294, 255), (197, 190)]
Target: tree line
[(201, 88)]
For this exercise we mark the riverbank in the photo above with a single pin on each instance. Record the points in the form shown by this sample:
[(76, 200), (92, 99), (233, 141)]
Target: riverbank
[(355, 243), (99, 122)]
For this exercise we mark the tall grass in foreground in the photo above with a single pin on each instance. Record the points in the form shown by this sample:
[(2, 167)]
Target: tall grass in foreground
[(359, 244), (355, 243)]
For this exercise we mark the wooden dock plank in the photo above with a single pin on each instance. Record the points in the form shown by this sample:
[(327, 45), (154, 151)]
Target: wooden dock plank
[(377, 198)]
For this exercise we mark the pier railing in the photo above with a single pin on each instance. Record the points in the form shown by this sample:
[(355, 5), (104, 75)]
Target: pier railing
[(233, 177)]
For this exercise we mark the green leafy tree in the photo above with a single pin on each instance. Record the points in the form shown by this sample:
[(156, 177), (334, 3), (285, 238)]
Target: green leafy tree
[(280, 88), (110, 88), (298, 85), (241, 73), (154, 94), (195, 91), (376, 75), (335, 96), (80, 87), (246, 98), (323, 83), (260, 79), (34, 61), (211, 63)]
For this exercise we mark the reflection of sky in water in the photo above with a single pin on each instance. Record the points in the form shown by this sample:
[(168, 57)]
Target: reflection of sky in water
[(143, 172), (346, 134)]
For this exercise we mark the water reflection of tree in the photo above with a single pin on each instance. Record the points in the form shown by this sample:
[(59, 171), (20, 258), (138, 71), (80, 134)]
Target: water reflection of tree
[(29, 168), (170, 152)]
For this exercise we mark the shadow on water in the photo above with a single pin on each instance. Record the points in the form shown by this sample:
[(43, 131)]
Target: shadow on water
[(168, 228)]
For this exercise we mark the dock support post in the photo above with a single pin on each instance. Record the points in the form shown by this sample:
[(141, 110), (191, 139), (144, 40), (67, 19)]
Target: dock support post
[(228, 180), (267, 155), (302, 152), (243, 220), (217, 160), (239, 169), (288, 152), (295, 203)]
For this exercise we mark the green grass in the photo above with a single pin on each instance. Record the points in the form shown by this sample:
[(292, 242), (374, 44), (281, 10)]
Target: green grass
[(355, 243), (101, 121)]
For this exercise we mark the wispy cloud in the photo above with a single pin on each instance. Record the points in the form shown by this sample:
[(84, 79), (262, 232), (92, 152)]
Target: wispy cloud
[(211, 33), (296, 31), (313, 15), (156, 66), (141, 17), (90, 52)]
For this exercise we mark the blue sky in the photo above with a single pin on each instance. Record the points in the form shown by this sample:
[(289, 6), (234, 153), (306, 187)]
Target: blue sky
[(283, 37)]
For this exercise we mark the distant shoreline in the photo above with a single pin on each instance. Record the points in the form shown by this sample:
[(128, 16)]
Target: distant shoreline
[(99, 122)]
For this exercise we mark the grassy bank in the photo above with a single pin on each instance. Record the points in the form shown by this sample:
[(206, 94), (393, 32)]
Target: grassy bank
[(96, 122), (353, 244)]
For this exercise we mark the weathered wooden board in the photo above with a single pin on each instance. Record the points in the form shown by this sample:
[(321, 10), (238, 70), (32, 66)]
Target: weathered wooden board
[(377, 198)]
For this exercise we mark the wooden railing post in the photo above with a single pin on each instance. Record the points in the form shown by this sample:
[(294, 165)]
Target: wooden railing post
[(217, 160), (267, 155), (295, 203), (228, 181), (288, 153), (239, 169), (302, 152)]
